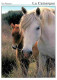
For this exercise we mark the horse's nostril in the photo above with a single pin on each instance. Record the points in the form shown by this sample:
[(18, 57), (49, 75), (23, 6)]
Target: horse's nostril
[(30, 52), (25, 51)]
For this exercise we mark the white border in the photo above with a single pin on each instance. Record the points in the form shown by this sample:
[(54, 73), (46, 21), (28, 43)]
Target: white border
[(27, 2)]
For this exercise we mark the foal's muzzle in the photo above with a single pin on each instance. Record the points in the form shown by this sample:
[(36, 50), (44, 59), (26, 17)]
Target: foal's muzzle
[(14, 47)]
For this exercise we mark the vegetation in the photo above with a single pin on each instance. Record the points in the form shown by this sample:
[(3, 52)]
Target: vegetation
[(12, 17), (10, 66)]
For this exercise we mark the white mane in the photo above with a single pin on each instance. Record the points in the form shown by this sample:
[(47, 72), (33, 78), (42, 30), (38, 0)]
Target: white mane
[(30, 16)]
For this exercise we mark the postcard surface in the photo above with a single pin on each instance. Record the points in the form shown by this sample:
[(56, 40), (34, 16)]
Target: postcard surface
[(28, 39)]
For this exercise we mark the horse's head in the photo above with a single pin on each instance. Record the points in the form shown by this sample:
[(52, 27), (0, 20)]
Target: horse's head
[(16, 35), (30, 22)]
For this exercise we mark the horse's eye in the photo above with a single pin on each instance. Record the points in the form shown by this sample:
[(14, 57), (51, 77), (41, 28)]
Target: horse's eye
[(38, 28)]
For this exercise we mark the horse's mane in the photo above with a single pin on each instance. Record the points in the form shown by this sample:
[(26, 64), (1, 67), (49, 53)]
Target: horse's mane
[(48, 16), (27, 19), (30, 16)]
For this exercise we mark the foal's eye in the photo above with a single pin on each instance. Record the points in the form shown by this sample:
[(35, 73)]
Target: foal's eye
[(38, 28), (17, 27), (13, 35)]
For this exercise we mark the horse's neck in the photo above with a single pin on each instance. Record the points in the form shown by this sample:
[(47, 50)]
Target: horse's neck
[(48, 33), (46, 43)]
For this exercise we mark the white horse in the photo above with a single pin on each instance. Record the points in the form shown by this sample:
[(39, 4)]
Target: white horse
[(39, 25)]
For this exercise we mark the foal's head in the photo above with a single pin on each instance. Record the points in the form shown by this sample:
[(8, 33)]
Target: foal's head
[(16, 35)]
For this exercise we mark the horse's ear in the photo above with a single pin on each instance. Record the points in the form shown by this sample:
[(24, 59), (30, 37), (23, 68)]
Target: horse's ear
[(12, 25), (38, 11), (24, 10)]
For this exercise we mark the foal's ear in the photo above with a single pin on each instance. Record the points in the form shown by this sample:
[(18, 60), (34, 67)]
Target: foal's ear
[(38, 11), (12, 25), (24, 10)]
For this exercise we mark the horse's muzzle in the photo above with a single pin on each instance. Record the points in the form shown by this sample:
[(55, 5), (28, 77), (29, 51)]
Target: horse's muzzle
[(26, 54)]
